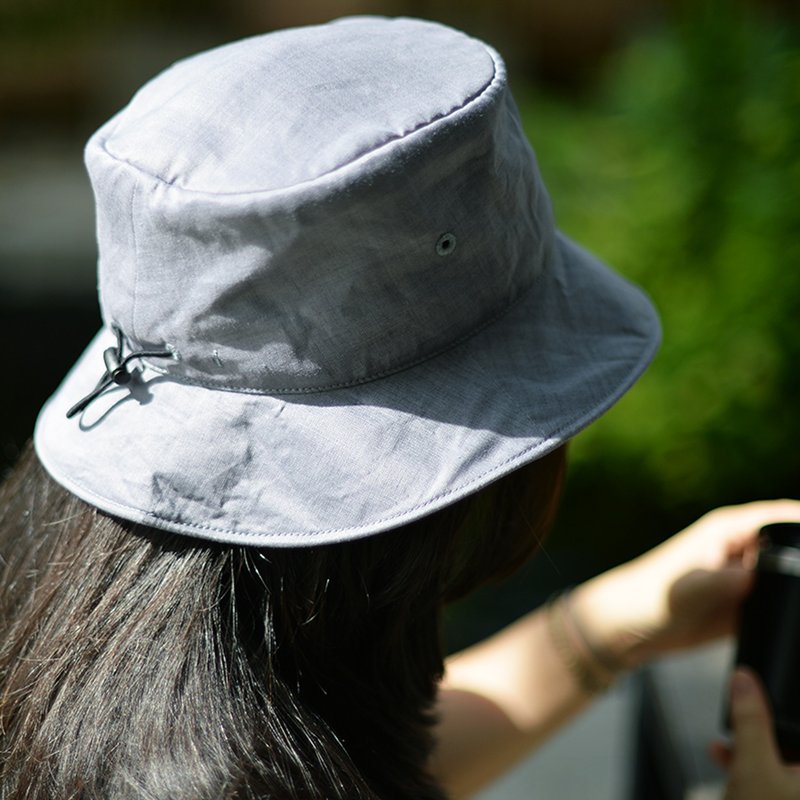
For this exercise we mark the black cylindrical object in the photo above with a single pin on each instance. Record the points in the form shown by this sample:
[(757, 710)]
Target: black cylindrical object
[(769, 630)]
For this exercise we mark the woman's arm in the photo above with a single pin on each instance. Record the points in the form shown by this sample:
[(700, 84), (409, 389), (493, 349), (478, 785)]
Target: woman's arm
[(498, 701), (502, 697)]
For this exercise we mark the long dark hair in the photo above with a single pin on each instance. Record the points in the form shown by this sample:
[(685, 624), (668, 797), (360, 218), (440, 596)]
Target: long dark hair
[(139, 664)]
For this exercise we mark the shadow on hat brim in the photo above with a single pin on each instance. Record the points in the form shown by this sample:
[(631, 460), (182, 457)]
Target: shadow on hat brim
[(297, 470)]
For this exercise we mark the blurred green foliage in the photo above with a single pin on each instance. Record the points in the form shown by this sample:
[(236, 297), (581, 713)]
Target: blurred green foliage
[(684, 174)]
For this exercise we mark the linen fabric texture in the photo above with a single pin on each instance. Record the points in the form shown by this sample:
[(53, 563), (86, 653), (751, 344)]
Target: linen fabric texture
[(341, 235)]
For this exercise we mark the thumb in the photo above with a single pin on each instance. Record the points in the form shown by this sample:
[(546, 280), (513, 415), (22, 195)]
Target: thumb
[(755, 749)]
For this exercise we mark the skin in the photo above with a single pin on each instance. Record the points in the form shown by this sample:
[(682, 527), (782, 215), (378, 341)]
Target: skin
[(754, 764), (503, 697)]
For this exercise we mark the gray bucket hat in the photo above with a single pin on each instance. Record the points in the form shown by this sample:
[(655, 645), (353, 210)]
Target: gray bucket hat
[(333, 294)]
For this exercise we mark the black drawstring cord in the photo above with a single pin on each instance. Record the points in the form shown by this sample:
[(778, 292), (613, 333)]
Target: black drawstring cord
[(116, 370)]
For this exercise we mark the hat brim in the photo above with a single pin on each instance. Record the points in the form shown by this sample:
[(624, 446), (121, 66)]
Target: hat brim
[(319, 468)]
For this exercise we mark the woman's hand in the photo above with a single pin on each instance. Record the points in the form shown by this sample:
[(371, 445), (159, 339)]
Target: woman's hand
[(501, 698), (754, 764), (684, 592)]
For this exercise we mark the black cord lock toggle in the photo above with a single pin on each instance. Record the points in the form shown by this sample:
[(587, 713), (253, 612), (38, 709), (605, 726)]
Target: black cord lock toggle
[(116, 369)]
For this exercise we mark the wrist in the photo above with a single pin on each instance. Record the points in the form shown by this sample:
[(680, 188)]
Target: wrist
[(606, 609), (592, 667)]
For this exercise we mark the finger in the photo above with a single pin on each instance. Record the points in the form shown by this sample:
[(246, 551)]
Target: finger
[(736, 526), (721, 754), (743, 554), (755, 748)]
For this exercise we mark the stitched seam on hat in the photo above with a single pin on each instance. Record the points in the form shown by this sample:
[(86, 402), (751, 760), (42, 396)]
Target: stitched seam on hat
[(310, 181), (198, 526), (135, 258), (370, 378), (580, 422), (420, 126)]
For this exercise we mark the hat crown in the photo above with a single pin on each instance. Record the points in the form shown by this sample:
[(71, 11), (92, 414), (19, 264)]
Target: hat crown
[(317, 207), (274, 111)]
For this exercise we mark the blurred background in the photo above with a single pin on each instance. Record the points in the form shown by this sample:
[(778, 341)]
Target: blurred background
[(669, 136)]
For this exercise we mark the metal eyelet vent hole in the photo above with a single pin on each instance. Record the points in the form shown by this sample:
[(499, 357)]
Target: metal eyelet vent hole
[(446, 244)]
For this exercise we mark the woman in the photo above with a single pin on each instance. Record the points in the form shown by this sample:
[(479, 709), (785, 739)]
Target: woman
[(343, 348)]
